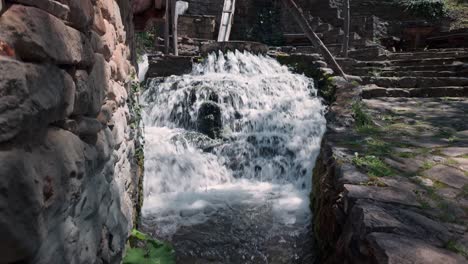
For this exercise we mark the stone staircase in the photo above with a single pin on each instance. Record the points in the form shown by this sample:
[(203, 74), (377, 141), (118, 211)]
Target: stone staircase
[(431, 73), (331, 35)]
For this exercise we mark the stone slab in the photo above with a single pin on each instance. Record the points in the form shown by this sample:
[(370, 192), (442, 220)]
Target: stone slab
[(395, 249), (448, 175), (381, 194)]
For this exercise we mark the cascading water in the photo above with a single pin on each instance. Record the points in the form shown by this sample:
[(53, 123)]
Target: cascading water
[(239, 193)]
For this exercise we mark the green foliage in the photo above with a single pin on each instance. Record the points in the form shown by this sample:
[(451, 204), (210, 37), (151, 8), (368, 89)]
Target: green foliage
[(457, 248), (361, 118), (429, 9), (373, 165), (152, 251), (145, 42)]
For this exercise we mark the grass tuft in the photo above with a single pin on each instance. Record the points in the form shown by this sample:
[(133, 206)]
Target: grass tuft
[(374, 166)]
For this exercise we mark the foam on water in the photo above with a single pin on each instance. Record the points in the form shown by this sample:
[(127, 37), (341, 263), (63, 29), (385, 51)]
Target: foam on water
[(273, 124)]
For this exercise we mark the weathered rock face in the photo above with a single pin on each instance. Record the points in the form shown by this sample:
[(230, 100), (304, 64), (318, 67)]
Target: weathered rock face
[(69, 178), (209, 119)]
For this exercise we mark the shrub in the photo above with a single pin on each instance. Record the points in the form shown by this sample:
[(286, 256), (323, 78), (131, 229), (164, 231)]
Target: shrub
[(429, 9)]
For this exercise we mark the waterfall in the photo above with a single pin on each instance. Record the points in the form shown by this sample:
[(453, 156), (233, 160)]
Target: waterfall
[(229, 155)]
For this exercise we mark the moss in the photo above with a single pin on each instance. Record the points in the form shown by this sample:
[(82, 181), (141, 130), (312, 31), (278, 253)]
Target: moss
[(307, 65), (136, 124)]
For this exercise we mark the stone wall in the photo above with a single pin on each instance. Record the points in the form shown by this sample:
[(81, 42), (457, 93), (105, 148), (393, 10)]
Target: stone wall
[(196, 26), (69, 176)]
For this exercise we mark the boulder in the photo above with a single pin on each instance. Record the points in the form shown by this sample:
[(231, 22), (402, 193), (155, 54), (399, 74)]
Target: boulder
[(99, 25), (83, 94), (98, 85), (33, 96), (13, 94), (39, 36), (20, 206), (81, 14), (50, 6), (209, 119), (108, 41)]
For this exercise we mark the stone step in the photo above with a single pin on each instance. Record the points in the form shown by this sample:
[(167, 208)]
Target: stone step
[(409, 62), (421, 73), (460, 67), (415, 82), (424, 55), (373, 91)]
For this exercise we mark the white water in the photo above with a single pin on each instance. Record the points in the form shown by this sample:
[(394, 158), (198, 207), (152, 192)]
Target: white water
[(254, 183), (143, 67)]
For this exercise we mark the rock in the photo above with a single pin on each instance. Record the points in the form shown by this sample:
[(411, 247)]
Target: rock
[(98, 85), (454, 151), (82, 93), (118, 93), (108, 41), (424, 181), (50, 6), (81, 14), (99, 25), (107, 110), (448, 175), (20, 207), (394, 249), (209, 120), (88, 126), (33, 97), (119, 120), (14, 93), (119, 58), (39, 36)]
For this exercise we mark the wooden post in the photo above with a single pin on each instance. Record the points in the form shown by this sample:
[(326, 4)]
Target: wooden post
[(347, 18), (316, 41), (167, 17), (174, 27)]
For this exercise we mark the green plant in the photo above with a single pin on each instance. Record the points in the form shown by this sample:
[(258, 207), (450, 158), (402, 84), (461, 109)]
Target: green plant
[(427, 165), (362, 118), (152, 251), (429, 9), (457, 248), (373, 165)]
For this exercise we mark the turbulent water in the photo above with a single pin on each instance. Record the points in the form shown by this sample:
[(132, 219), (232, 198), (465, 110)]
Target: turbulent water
[(242, 197)]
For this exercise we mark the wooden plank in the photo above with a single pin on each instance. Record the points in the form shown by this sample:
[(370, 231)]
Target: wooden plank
[(174, 27), (316, 41), (158, 4), (167, 15), (347, 17), (226, 20)]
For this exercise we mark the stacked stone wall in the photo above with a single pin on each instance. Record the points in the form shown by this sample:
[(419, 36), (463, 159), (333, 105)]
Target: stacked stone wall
[(69, 176)]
